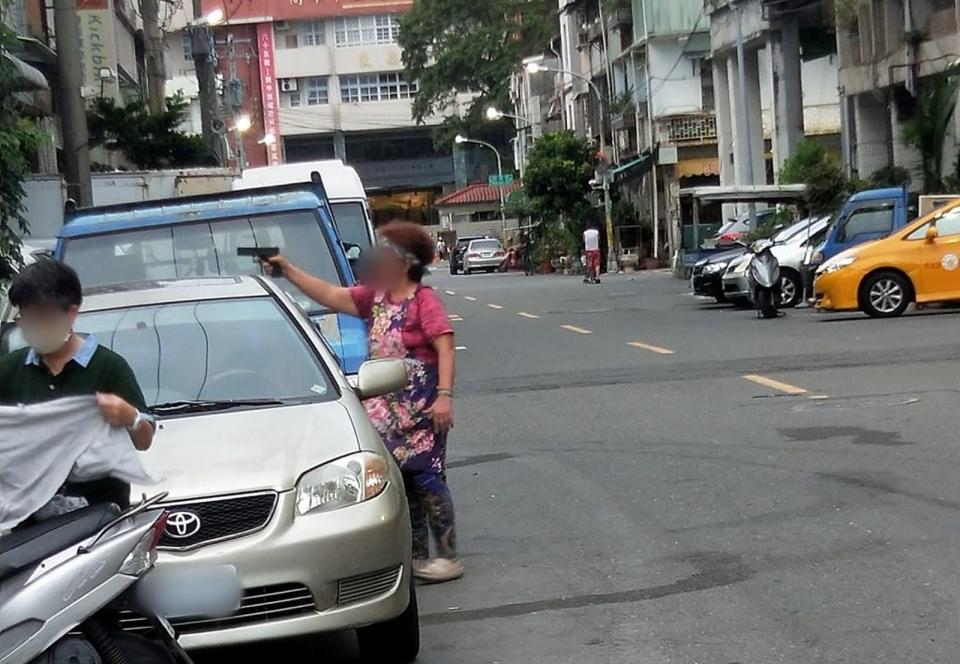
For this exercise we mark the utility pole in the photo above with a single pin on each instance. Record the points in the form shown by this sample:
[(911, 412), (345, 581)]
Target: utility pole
[(742, 118), (153, 53), (204, 61), (234, 94), (73, 113)]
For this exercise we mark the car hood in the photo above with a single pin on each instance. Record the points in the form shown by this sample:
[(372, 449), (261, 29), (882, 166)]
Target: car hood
[(726, 255), (234, 451)]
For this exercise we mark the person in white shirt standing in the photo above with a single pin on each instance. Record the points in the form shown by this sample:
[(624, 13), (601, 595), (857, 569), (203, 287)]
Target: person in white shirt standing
[(591, 244)]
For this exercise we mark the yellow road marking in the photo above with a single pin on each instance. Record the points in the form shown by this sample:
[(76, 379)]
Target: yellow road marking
[(450, 292), (526, 315), (574, 328), (653, 349), (775, 384), (495, 306), (467, 297)]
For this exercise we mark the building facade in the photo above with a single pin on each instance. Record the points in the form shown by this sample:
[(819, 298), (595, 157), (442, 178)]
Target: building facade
[(325, 78), (889, 50)]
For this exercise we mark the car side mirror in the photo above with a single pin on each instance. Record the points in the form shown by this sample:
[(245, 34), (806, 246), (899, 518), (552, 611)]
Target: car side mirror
[(377, 378), (932, 233)]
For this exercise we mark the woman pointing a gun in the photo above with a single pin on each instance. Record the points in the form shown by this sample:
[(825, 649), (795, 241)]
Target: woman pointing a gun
[(406, 320)]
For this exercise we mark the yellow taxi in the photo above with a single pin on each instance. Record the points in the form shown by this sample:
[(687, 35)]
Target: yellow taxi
[(917, 263)]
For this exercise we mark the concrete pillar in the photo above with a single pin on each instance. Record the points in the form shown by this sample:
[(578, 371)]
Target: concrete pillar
[(733, 100), (339, 146), (783, 46), (755, 119), (871, 143), (721, 87)]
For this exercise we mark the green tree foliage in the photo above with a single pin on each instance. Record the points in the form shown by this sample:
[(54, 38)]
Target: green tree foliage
[(813, 166), (557, 178), (19, 139), (149, 140), (452, 47), (929, 128), (889, 176)]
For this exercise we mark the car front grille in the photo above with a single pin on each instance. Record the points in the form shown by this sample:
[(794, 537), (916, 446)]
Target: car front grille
[(365, 586), (216, 519), (259, 605)]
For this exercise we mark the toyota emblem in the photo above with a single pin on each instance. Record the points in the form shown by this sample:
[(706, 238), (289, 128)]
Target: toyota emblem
[(181, 525)]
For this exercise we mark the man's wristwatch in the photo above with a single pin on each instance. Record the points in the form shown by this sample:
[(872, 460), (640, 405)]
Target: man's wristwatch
[(137, 421)]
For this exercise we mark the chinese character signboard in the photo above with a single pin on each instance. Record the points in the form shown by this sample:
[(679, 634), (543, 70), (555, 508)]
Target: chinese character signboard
[(265, 11), (269, 94), (97, 48)]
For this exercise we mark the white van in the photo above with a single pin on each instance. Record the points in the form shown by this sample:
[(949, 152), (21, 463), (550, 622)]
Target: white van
[(344, 191)]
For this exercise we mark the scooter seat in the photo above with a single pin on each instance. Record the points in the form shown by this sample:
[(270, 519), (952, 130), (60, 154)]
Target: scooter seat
[(31, 544)]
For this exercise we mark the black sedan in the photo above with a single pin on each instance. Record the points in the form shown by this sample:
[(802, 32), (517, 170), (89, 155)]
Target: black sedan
[(708, 273)]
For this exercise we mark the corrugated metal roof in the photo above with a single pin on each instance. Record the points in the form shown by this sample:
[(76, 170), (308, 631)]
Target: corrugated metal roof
[(477, 193)]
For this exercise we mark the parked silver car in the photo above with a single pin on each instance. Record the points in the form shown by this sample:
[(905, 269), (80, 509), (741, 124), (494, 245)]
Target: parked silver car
[(791, 243), (270, 461)]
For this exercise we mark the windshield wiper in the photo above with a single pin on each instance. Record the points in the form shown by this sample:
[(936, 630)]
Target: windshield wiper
[(208, 406)]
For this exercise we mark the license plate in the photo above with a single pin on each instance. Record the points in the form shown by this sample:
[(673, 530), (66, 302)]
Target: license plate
[(487, 254), (191, 592)]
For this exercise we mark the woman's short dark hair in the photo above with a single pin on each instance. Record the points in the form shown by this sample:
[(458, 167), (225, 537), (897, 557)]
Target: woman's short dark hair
[(46, 282), (412, 238)]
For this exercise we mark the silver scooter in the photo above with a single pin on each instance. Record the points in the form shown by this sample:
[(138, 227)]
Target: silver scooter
[(764, 278), (62, 582)]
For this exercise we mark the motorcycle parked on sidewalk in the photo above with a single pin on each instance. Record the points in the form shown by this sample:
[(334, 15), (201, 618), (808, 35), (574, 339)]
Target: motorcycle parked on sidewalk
[(64, 581), (764, 279)]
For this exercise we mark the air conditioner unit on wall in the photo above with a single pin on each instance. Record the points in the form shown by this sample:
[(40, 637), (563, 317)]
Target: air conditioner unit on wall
[(288, 85), (281, 26)]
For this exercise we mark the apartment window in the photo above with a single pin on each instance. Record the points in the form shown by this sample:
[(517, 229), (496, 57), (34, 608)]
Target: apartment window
[(311, 33), (366, 30), (706, 85), (290, 99), (317, 90), (375, 87)]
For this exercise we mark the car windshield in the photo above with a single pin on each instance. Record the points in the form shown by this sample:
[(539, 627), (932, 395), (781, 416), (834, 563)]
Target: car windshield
[(190, 351), (202, 249), (485, 245), (352, 223)]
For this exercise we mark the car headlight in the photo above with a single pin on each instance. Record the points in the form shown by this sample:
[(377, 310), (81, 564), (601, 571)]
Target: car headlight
[(341, 483), (835, 264), (713, 268)]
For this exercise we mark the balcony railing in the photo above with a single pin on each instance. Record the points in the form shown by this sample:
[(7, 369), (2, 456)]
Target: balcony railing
[(689, 128)]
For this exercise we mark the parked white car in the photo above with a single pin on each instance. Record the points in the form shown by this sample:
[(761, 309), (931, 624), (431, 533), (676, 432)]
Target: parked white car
[(791, 244)]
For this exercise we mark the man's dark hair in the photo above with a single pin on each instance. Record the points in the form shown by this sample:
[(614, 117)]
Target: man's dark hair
[(46, 282)]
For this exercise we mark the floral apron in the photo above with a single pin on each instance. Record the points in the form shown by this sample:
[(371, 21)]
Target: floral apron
[(401, 418)]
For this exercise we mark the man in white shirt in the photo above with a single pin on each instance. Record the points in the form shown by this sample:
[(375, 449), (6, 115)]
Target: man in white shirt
[(591, 245)]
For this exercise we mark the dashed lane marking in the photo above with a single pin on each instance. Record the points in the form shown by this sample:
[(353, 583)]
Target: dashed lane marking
[(526, 315), (574, 328), (660, 350), (495, 306), (450, 292), (468, 297), (460, 348), (786, 388)]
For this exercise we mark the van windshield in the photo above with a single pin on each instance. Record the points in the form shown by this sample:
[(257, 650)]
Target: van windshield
[(352, 223), (202, 249)]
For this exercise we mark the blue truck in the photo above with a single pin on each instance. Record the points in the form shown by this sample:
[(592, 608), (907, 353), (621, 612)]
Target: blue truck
[(198, 236), (866, 215)]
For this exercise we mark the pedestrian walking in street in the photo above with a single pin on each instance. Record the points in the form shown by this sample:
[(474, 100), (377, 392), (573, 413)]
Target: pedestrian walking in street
[(591, 245), (407, 320)]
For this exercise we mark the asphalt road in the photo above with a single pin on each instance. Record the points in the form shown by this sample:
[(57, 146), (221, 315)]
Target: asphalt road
[(724, 490)]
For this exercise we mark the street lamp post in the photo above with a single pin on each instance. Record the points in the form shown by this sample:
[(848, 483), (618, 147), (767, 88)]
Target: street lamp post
[(460, 140), (520, 146), (536, 68)]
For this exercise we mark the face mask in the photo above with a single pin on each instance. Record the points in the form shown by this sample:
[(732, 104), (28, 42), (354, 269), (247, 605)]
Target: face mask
[(49, 338)]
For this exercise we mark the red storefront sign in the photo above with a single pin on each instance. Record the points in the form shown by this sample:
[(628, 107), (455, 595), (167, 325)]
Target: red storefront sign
[(265, 11), (268, 91)]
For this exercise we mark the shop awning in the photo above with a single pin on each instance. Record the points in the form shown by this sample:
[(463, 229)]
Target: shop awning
[(633, 169), (686, 168), (26, 78)]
